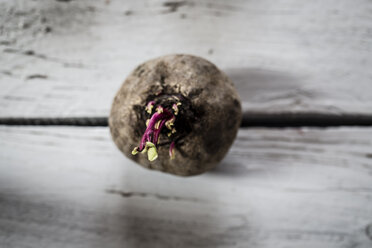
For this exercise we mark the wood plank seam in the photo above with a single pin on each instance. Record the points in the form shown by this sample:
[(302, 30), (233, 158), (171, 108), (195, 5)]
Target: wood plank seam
[(250, 119)]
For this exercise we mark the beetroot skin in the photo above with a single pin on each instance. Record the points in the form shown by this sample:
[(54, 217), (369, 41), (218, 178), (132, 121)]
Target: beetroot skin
[(177, 114)]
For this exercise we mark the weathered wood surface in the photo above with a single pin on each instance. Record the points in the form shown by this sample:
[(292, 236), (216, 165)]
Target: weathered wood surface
[(70, 187), (68, 58)]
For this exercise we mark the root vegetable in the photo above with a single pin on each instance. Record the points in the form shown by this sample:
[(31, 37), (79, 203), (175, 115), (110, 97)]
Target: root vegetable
[(179, 109)]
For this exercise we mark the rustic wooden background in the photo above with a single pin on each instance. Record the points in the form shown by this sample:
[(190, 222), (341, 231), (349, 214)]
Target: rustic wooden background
[(289, 187)]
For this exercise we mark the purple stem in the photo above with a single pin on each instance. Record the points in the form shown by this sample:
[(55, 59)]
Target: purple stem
[(157, 132), (152, 134), (171, 147)]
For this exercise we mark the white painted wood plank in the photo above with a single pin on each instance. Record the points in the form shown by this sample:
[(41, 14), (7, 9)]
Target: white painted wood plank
[(70, 187), (68, 58)]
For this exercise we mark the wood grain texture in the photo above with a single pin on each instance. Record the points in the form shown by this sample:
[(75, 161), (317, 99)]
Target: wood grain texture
[(70, 187), (68, 58)]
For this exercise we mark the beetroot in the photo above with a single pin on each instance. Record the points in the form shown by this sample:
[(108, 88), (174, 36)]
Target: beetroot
[(179, 109)]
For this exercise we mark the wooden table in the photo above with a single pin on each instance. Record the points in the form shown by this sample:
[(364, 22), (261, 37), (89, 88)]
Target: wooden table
[(66, 186)]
